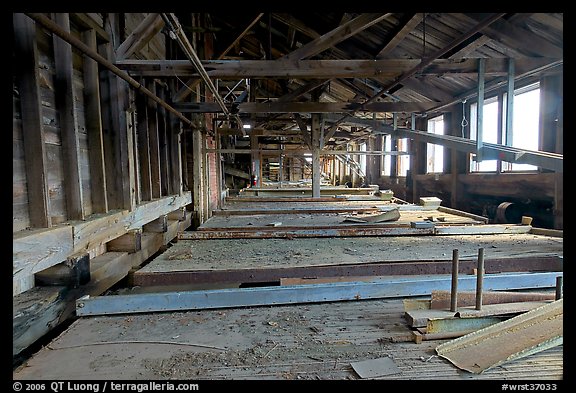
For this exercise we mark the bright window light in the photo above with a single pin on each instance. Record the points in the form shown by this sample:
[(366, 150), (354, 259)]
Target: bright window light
[(246, 126)]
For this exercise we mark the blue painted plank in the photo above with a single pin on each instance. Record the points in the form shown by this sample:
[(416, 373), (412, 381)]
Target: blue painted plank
[(307, 293)]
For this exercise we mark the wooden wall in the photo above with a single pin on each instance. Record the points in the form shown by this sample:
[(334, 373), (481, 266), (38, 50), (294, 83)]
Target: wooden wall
[(99, 150)]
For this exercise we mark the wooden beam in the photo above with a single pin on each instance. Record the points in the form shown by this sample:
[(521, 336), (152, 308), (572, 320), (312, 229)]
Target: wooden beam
[(159, 225), (27, 79), (130, 242), (143, 125), (405, 27), (309, 107), (93, 115), (163, 141), (189, 86), (333, 37), (303, 129), (72, 273), (40, 249), (517, 37), (66, 107), (176, 154), (316, 142), (325, 69), (140, 36), (487, 21), (198, 180), (87, 22)]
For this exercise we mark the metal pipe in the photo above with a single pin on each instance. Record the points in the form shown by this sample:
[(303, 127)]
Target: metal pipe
[(78, 44), (479, 278), (454, 288), (179, 35), (559, 287)]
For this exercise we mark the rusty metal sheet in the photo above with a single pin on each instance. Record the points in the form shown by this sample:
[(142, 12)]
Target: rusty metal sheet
[(518, 337), (405, 267), (441, 299), (262, 233)]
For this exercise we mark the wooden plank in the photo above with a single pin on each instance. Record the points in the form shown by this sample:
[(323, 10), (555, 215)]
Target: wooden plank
[(140, 36), (225, 298), (143, 148), (34, 251), (43, 308), (37, 250), (547, 232), (481, 229), (463, 214), (27, 78), (129, 242), (154, 142), (326, 69), (179, 215), (397, 35), (419, 318), (308, 107), (86, 21), (513, 339), (94, 127), (72, 273), (176, 154), (171, 233), (163, 140), (316, 142), (159, 225), (65, 105), (333, 37), (441, 299)]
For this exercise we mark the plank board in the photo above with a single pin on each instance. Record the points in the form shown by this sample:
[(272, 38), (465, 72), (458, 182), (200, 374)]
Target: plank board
[(308, 342)]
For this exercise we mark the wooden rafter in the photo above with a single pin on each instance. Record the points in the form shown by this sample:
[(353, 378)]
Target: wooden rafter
[(406, 25)]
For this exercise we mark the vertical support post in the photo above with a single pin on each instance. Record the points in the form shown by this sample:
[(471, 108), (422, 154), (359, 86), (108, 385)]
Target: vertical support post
[(27, 78), (480, 109), (256, 158), (154, 143), (454, 288), (165, 186), (394, 160), (280, 168), (559, 287), (143, 147), (66, 107), (509, 103), (316, 141), (479, 278), (198, 184), (93, 115)]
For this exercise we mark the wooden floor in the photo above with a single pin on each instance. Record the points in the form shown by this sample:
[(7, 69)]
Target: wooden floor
[(312, 341), (303, 341)]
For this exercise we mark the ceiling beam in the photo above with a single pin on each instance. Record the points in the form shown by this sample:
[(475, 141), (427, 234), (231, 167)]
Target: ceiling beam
[(405, 26), (437, 54), (333, 37), (323, 69), (308, 107), (140, 36), (515, 36), (185, 91)]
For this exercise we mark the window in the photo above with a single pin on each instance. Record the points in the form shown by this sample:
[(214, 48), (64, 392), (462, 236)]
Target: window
[(525, 125), (490, 132), (403, 160), (435, 153), (386, 159), (362, 158)]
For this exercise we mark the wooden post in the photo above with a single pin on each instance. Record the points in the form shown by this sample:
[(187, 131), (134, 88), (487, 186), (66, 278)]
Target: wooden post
[(316, 139), (165, 185), (256, 159), (480, 109), (143, 148), (27, 76), (154, 143), (68, 125), (479, 278), (454, 287), (94, 127), (198, 184)]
